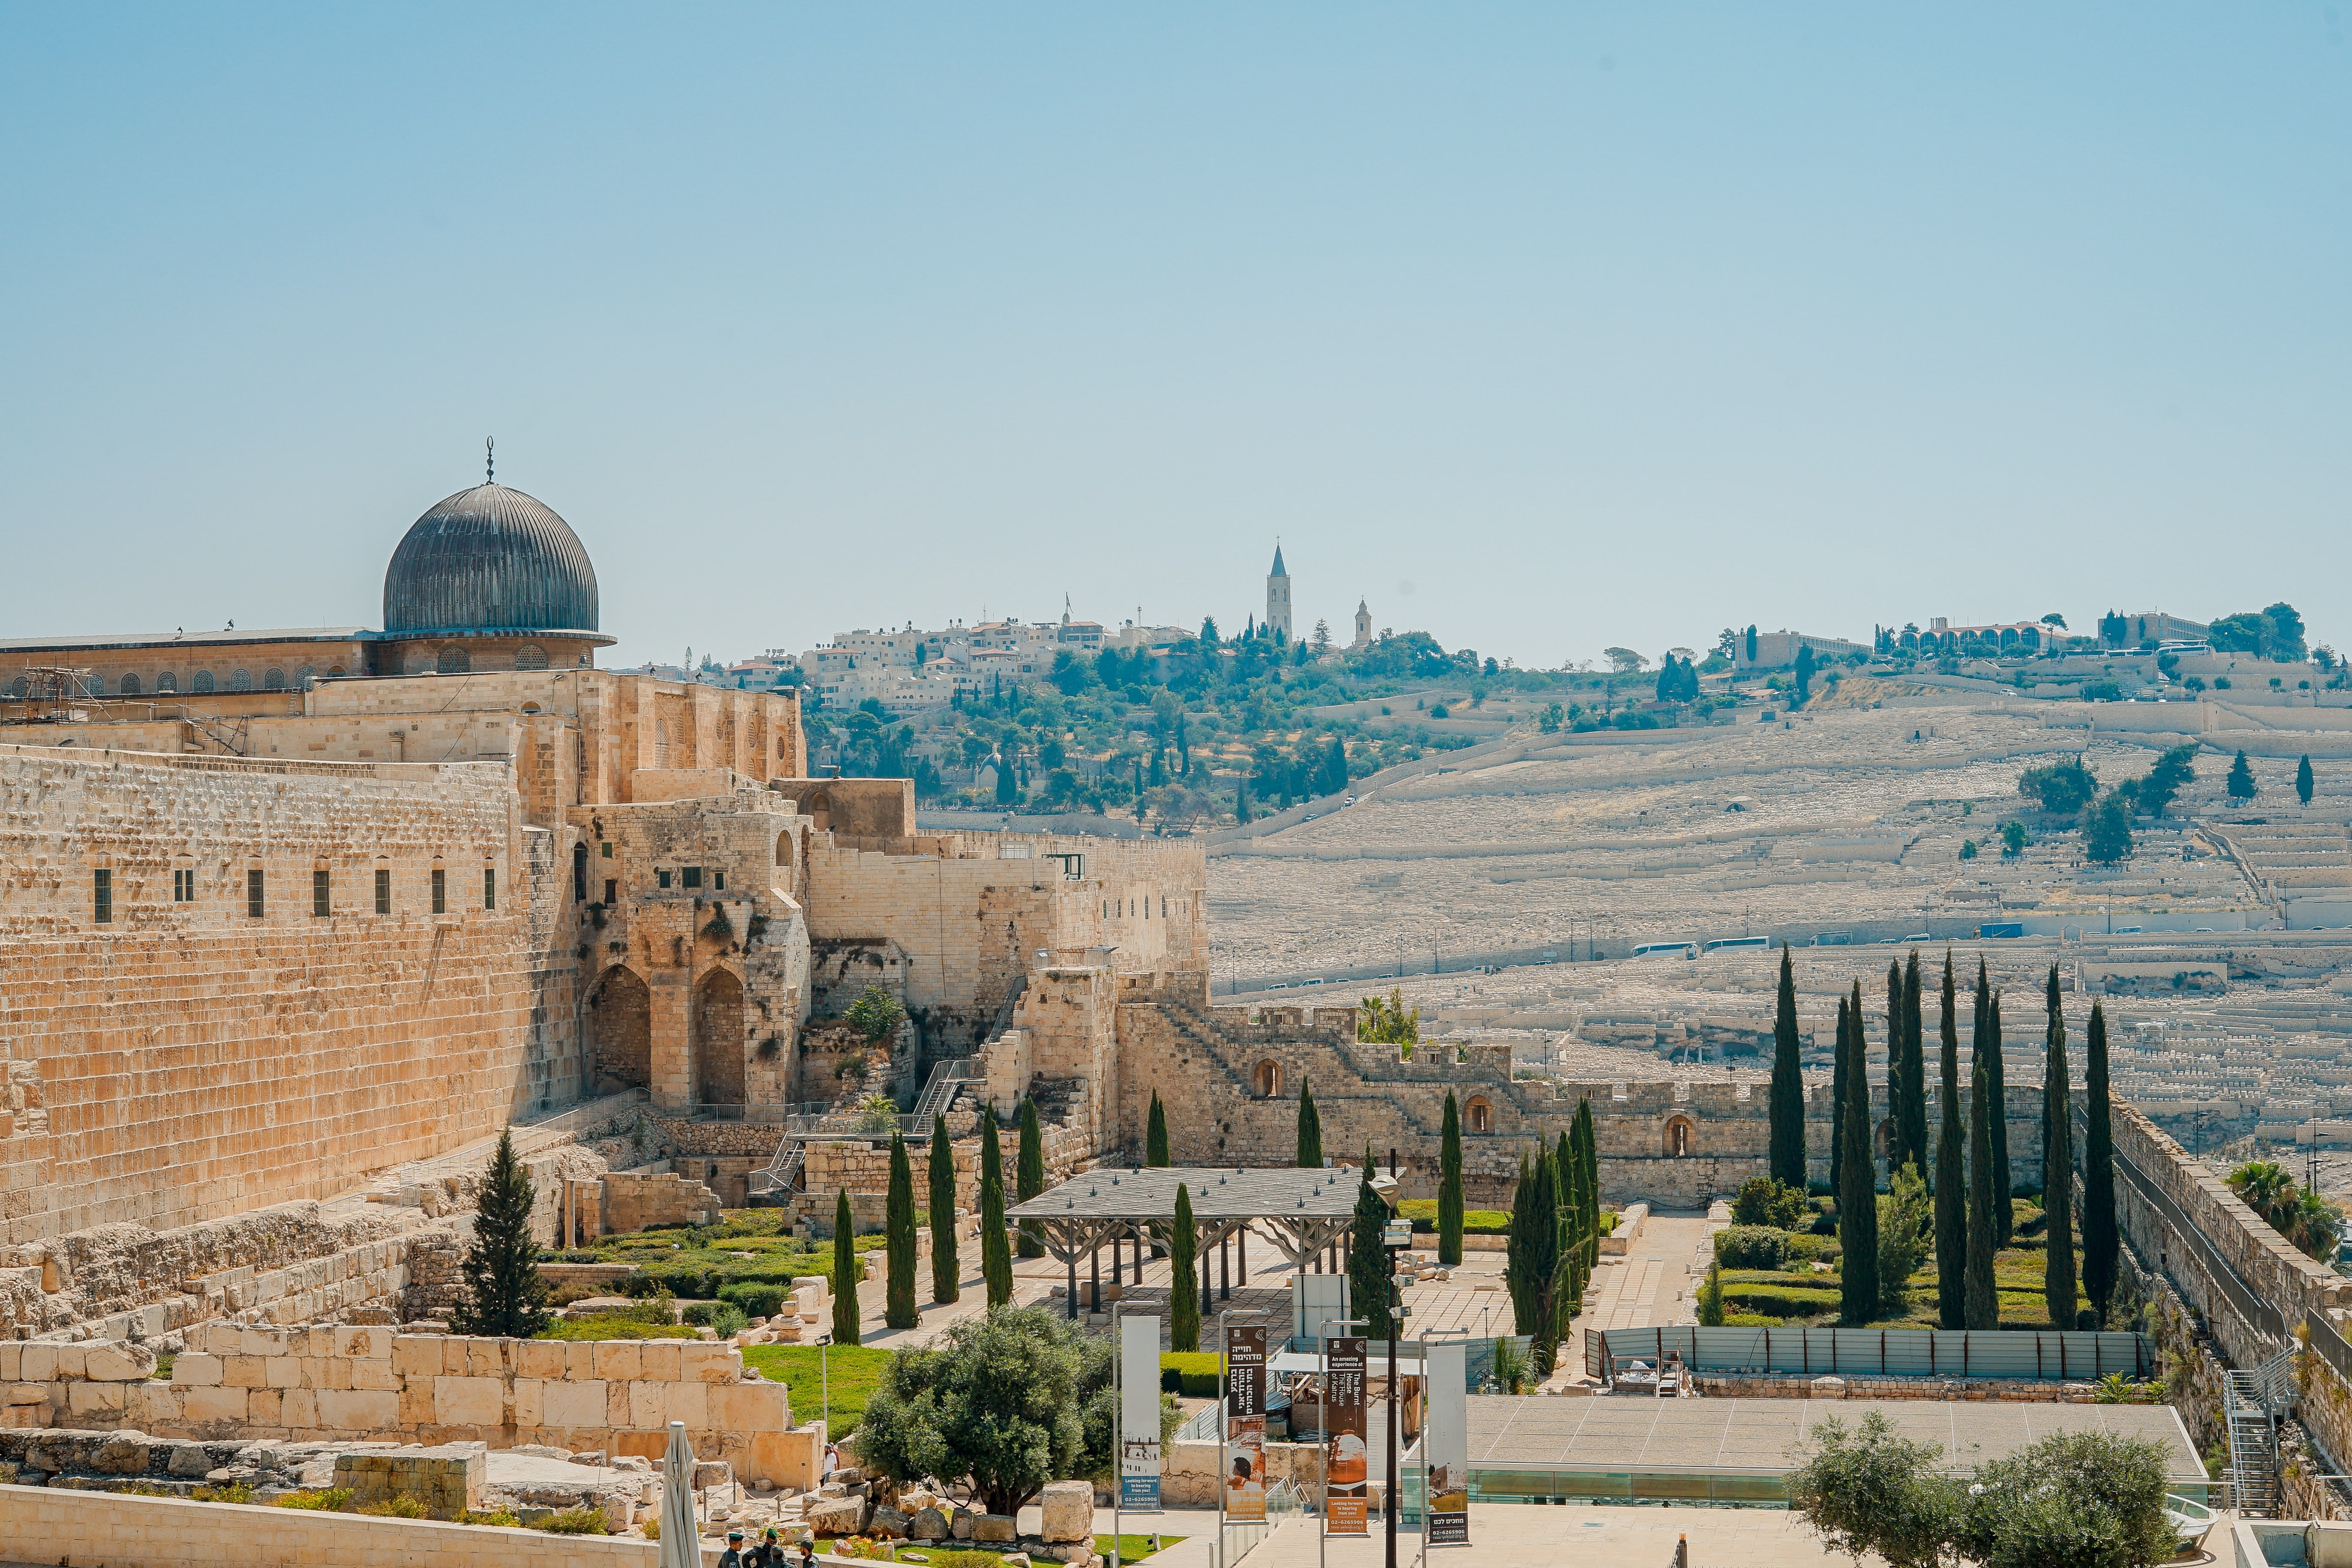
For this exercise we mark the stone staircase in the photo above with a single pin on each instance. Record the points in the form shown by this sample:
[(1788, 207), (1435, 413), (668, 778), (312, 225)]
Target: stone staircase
[(2252, 1402)]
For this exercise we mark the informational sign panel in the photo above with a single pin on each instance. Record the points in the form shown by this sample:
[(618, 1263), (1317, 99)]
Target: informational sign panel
[(1139, 1415), (1447, 1446), (1244, 1422), (1347, 1475)]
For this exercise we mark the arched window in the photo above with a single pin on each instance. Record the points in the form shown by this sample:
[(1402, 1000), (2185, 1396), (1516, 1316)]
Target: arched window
[(335, 672), (19, 687), (1267, 1079), (531, 656), (454, 660), (530, 707), (785, 848), (1682, 1138), (204, 681), (273, 680), (167, 681), (240, 681), (131, 686), (305, 679), (1478, 1115), (661, 742)]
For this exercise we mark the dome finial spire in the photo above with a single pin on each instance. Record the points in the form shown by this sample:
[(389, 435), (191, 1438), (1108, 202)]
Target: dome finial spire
[(489, 460)]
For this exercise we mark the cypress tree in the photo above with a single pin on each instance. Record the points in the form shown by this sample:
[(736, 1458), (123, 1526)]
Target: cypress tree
[(1837, 1104), (946, 1269), (2057, 1164), (2004, 1211), (504, 1293), (1533, 1266), (1857, 1182), (2100, 1242), (844, 1273), (2304, 783), (1896, 1120), (1518, 1243), (1310, 1129), (1155, 1134), (1184, 1296), (1368, 1261), (898, 1309), (995, 1247), (1912, 1129), (1982, 1307), (1951, 1175), (1029, 1174), (1449, 1184), (1787, 1106), (1588, 1141)]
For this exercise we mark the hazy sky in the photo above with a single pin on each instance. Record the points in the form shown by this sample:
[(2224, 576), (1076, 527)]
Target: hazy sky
[(1542, 328)]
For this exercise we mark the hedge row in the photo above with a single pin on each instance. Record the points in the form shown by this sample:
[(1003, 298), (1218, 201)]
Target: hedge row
[(1422, 1212), (1195, 1374), (1779, 1300)]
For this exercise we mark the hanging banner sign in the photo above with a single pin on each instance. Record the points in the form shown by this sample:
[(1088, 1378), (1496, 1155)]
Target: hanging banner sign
[(1447, 1444), (1139, 1415), (1347, 1475), (1244, 1422)]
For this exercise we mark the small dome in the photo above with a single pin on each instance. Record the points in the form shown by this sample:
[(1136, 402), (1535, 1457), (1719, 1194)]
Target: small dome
[(489, 559)]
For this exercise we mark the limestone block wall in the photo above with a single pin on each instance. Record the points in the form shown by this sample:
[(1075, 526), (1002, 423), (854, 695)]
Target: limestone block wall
[(636, 1199), (186, 1058), (310, 1385)]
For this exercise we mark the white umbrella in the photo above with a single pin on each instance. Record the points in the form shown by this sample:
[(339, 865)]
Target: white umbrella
[(679, 1547)]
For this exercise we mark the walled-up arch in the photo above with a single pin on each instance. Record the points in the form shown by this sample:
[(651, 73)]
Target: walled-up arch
[(785, 848), (1267, 1079), (1479, 1116), (719, 1039), (1681, 1140), (621, 1027)]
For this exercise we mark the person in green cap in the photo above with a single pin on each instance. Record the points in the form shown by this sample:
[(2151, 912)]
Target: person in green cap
[(733, 1556)]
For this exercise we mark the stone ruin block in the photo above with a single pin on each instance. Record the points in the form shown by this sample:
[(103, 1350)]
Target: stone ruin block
[(445, 1479)]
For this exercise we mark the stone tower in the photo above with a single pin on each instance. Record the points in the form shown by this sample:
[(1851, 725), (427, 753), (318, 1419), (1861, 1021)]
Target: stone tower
[(1363, 623), (1277, 597)]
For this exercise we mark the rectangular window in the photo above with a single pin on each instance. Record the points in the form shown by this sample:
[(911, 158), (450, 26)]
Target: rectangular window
[(183, 886), (719, 881), (694, 876), (253, 895), (489, 888), (661, 879), (102, 896), (383, 891), (440, 892), (321, 899), (607, 850), (612, 892)]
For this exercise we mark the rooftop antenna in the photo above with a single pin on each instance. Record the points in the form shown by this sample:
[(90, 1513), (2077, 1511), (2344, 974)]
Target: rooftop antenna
[(489, 460)]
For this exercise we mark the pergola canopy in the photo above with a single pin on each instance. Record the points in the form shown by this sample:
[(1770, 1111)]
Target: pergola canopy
[(1303, 1211)]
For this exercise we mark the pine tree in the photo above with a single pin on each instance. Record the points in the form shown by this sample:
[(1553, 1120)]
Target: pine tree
[(1912, 1129), (2100, 1242), (505, 1295), (1951, 1175), (1449, 1184), (1982, 1305), (1155, 1135), (2057, 1164), (1368, 1262), (2004, 1208), (844, 1272), (1184, 1294), (1787, 1106), (995, 1247), (1857, 1180), (1896, 1120), (1029, 1174), (898, 1230), (1310, 1129), (946, 1284), (2241, 782), (2304, 783)]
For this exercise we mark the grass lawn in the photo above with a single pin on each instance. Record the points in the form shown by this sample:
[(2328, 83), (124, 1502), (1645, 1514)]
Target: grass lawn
[(1132, 1547), (856, 1371), (1802, 1295)]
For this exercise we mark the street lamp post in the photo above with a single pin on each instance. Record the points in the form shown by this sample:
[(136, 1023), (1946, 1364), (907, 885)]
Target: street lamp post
[(1394, 1238)]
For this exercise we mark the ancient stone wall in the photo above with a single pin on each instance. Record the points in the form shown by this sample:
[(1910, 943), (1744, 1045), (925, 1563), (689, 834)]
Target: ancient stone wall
[(187, 1058)]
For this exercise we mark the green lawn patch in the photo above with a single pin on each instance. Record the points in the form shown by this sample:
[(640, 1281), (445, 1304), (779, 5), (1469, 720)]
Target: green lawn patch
[(603, 1326), (1132, 1548), (855, 1372)]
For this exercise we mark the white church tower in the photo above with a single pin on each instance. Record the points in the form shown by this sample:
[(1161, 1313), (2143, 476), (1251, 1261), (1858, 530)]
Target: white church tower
[(1363, 625), (1277, 596)]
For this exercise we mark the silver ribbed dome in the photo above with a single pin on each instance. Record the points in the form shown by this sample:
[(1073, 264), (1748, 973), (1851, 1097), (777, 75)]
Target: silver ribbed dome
[(489, 559)]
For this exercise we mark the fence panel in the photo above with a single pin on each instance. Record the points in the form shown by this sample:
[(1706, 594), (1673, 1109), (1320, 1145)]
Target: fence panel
[(2073, 1355)]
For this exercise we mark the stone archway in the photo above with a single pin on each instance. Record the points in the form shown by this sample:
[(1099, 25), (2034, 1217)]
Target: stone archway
[(1267, 1079), (719, 1039), (1680, 1140), (1479, 1116), (621, 1027)]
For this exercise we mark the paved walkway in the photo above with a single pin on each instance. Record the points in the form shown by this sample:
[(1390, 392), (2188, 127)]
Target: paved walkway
[(1655, 1284), (1511, 1535)]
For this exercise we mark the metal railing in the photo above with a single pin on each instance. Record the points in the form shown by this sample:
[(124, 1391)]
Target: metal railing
[(1237, 1541)]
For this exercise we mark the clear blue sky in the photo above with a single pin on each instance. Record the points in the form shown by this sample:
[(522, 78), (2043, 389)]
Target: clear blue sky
[(1543, 328)]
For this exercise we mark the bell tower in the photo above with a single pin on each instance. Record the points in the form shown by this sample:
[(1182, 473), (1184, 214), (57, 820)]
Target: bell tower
[(1277, 596)]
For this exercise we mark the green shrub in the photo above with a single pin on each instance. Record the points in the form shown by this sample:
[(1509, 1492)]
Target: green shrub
[(1786, 1300), (1422, 1212), (757, 1300), (328, 1499), (235, 1491), (1805, 1247), (726, 1317), (1751, 1247), (1196, 1374), (400, 1507), (499, 1516), (1763, 1201), (1751, 1320), (576, 1521)]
